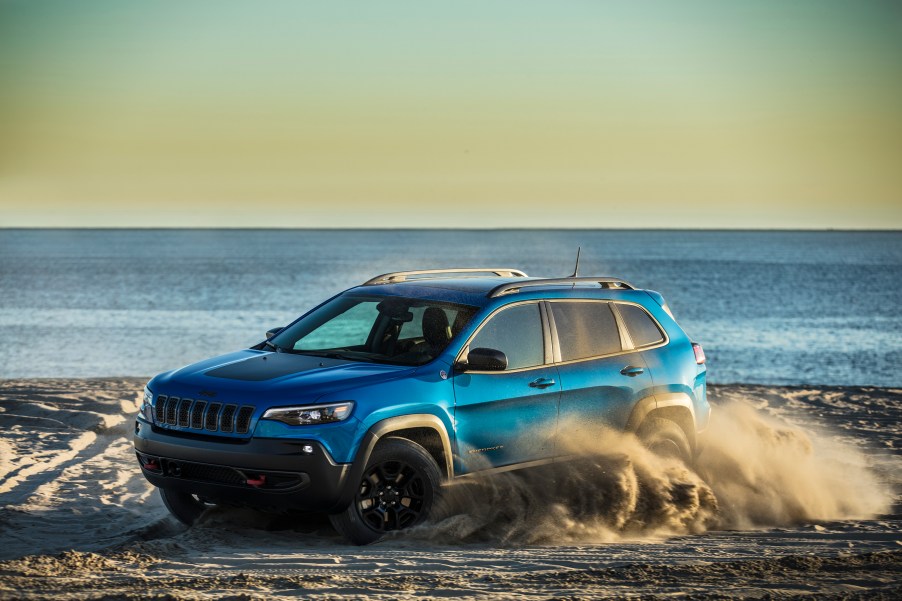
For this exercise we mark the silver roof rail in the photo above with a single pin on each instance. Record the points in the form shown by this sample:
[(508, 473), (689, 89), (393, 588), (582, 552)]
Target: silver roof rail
[(402, 276), (610, 283)]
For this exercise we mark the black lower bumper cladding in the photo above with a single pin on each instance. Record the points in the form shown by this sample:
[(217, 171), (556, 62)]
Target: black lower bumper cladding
[(269, 474)]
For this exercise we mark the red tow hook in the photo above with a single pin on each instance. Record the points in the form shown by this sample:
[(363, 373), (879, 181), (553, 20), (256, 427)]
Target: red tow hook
[(152, 466), (256, 482)]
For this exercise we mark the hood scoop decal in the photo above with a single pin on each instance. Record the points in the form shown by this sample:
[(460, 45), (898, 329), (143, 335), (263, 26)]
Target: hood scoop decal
[(272, 365)]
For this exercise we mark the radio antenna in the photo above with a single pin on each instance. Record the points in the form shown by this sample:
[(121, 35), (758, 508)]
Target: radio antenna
[(576, 269)]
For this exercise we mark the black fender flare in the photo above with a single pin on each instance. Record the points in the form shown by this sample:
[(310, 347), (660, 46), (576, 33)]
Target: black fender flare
[(651, 403), (384, 428)]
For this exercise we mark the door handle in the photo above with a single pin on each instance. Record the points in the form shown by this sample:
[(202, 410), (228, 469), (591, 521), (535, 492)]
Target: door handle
[(632, 371), (542, 383)]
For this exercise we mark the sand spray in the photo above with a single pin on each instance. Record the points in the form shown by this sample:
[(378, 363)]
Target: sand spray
[(753, 471)]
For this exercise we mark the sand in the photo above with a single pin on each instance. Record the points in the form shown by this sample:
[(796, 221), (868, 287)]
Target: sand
[(797, 495)]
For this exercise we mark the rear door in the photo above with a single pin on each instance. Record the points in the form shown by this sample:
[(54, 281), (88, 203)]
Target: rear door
[(601, 377), (508, 417)]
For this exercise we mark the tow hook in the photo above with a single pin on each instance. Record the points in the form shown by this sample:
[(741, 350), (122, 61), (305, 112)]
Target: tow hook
[(256, 482)]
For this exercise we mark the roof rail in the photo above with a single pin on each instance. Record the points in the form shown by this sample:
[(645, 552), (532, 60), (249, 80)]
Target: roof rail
[(402, 276), (612, 283)]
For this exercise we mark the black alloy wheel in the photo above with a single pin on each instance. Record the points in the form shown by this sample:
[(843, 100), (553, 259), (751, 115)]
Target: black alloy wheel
[(398, 488), (391, 496)]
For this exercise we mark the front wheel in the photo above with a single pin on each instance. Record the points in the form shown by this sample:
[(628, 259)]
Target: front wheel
[(185, 507), (399, 487)]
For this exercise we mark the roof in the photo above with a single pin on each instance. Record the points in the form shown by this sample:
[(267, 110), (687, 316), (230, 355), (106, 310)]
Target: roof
[(466, 290), (478, 290)]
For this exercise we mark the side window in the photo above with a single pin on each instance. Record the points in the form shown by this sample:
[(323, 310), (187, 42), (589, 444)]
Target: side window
[(414, 327), (642, 328), (517, 332), (585, 329)]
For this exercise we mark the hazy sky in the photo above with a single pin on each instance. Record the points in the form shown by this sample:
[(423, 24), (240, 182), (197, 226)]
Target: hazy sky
[(763, 113)]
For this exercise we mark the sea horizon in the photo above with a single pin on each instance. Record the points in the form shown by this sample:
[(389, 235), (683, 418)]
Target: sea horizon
[(770, 307)]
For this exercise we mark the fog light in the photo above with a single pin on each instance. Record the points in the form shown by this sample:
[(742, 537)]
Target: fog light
[(307, 449)]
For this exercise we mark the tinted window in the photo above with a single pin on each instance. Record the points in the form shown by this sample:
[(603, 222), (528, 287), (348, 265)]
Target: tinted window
[(641, 326), (414, 327), (585, 330), (378, 329), (517, 332), (348, 328)]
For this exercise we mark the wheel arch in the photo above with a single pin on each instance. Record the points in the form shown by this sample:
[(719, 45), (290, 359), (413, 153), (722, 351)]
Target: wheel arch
[(676, 406), (425, 429)]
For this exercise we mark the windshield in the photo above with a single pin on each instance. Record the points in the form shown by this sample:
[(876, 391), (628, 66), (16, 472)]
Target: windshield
[(402, 331)]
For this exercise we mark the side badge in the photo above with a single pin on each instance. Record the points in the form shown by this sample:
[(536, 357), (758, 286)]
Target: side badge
[(443, 374)]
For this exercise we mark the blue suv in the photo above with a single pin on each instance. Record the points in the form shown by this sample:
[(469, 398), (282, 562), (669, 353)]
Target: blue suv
[(364, 406)]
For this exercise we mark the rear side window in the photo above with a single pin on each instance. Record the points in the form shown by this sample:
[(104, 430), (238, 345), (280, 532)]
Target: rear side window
[(585, 330), (642, 328), (517, 332)]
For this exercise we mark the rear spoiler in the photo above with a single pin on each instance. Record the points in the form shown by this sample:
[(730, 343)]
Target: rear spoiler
[(656, 296)]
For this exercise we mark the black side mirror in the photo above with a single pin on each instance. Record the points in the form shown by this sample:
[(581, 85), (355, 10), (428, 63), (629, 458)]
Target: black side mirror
[(484, 359), (273, 331)]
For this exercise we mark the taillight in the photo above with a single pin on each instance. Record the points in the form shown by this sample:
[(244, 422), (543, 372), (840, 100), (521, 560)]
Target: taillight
[(699, 353)]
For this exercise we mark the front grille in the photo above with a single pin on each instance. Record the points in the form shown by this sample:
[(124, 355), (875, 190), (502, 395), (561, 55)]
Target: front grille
[(244, 419), (212, 416), (200, 415), (160, 409), (171, 407), (226, 421), (197, 416), (184, 408)]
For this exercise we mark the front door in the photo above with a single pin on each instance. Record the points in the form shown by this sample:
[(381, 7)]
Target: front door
[(508, 417)]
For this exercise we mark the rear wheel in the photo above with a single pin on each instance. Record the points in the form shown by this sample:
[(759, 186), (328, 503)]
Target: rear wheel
[(666, 438), (185, 507), (399, 487)]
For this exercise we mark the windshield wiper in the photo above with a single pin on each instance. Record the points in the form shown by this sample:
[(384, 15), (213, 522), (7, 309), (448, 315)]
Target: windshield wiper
[(337, 355)]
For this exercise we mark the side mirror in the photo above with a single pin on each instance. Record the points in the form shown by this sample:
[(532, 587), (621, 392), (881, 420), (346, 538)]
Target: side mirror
[(273, 331), (484, 359)]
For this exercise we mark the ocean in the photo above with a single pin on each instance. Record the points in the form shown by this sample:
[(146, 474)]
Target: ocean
[(775, 307)]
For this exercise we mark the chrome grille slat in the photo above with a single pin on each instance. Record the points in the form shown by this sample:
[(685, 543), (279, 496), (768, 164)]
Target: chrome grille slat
[(211, 420), (171, 406), (160, 408), (243, 421), (184, 412), (226, 422), (197, 415)]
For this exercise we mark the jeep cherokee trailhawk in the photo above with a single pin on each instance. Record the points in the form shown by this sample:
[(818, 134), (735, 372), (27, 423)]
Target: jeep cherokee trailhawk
[(365, 405)]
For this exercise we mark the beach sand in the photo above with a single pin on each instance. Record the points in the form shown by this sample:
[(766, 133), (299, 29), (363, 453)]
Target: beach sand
[(796, 493)]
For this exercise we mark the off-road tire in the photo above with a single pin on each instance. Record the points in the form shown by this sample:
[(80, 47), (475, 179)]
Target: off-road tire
[(399, 487), (185, 507), (665, 437)]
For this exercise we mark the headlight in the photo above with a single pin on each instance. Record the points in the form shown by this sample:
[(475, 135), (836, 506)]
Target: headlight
[(316, 414), (147, 405)]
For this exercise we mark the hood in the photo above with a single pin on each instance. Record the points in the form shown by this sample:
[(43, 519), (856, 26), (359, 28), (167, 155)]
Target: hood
[(251, 373)]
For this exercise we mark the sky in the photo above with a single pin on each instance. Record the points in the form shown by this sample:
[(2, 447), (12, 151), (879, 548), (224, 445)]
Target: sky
[(649, 113)]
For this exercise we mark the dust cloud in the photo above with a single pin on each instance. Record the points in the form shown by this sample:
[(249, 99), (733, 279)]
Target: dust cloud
[(752, 471)]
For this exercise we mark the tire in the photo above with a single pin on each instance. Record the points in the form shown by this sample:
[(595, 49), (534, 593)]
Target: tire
[(666, 438), (185, 507), (399, 487)]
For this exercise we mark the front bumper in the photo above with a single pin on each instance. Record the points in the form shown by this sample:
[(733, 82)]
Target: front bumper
[(265, 473)]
